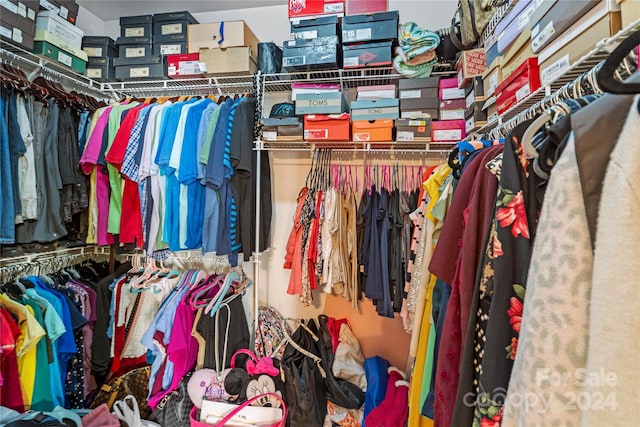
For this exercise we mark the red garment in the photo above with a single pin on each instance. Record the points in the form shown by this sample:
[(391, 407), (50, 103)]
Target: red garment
[(334, 326), (455, 261), (293, 256), (118, 148), (10, 389)]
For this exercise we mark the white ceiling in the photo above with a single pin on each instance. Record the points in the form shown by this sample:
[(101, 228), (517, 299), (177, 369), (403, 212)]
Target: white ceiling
[(108, 10)]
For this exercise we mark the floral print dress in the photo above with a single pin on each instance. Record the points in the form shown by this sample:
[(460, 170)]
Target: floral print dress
[(502, 281)]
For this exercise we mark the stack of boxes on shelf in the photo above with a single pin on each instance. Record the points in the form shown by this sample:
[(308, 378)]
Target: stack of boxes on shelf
[(58, 38), (451, 126), (368, 39), (101, 51), (536, 42), (314, 44), (373, 113), (419, 107), (325, 112), (222, 48)]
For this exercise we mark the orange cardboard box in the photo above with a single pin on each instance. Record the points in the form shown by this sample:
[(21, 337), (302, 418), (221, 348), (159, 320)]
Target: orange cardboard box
[(372, 130), (327, 127)]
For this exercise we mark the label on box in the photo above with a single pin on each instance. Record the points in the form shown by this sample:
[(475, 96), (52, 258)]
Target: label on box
[(363, 34), (134, 32), (17, 35), (452, 93), (470, 98), (410, 94), (171, 29), (31, 14), (293, 60), (64, 12), (362, 136), (9, 6), (405, 136), (306, 35), (411, 114), (92, 51), (189, 67), (524, 18), (451, 114), (523, 92), (65, 59), (6, 32), (334, 7), (94, 73), (447, 135), (493, 83), (172, 70), (542, 37), (134, 52), (22, 10), (555, 70), (270, 136), (316, 133), (139, 72), (493, 117), (470, 125), (49, 6), (420, 123), (351, 62), (170, 49)]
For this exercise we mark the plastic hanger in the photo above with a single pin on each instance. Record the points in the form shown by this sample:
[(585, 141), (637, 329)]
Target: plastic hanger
[(214, 305), (606, 75), (527, 138)]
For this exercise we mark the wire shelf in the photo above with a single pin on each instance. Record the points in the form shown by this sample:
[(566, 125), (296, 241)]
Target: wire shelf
[(417, 146), (224, 85)]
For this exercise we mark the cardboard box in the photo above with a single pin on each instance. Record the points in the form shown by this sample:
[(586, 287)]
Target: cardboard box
[(134, 50), (298, 88), (372, 130), (574, 48), (630, 12), (99, 47), (316, 54), (425, 92), (128, 41), (155, 68), (514, 23), (563, 14), (321, 103), (408, 130), (185, 65), (229, 61), (367, 54), (448, 130), (375, 109), (69, 10), (50, 51), (320, 127), (475, 89), (452, 114), (15, 35), (472, 63), (283, 129), (519, 51), (299, 8), (475, 112), (357, 7), (210, 36), (492, 53), (171, 27), (376, 92), (453, 104), (520, 84), (170, 48), (46, 36), (419, 83), (101, 69), (136, 26), (420, 114), (492, 78), (23, 8), (54, 24), (371, 27), (312, 28), (448, 89)]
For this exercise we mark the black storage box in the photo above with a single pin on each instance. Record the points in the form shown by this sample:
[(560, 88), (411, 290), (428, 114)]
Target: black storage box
[(367, 54), (99, 46), (315, 54), (101, 69), (282, 129), (419, 103), (419, 83), (170, 48), (155, 67), (69, 10), (134, 50), (371, 27), (136, 60), (15, 35), (132, 27), (313, 28), (172, 27)]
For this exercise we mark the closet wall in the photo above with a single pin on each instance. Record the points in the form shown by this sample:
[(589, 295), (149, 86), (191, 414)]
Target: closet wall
[(378, 335)]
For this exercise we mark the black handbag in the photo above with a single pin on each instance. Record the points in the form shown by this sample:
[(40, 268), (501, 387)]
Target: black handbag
[(174, 408), (304, 383), (269, 58)]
